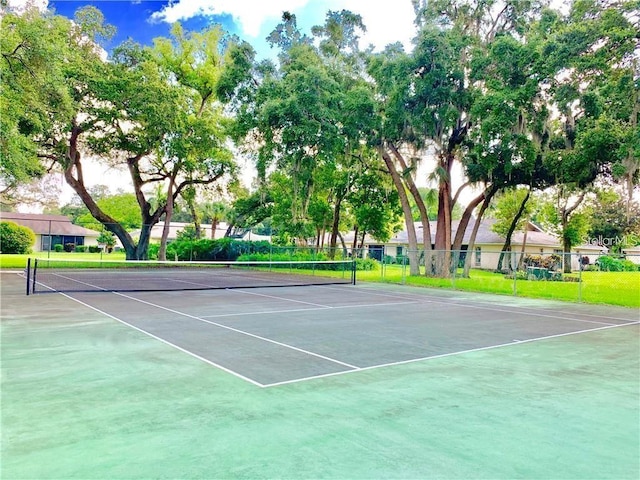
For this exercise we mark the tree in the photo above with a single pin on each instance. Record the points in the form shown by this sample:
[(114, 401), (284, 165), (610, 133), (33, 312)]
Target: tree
[(512, 214), (196, 154), (310, 121), (430, 97), (214, 213), (33, 46), (131, 112), (591, 47), (614, 222), (122, 207)]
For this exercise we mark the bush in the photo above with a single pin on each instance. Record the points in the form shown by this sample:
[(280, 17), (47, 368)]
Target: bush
[(80, 248), (152, 251), (551, 262), (214, 250), (58, 247), (15, 238), (94, 249), (366, 264), (68, 247)]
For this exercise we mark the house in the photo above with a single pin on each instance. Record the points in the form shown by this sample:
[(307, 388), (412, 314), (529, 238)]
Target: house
[(488, 244), (632, 254), (206, 229), (52, 230)]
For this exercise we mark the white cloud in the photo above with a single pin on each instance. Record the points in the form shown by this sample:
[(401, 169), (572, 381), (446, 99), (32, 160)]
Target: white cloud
[(250, 15), (385, 24), (20, 5)]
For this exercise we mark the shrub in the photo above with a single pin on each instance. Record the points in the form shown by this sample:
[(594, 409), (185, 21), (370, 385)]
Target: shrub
[(81, 248), (610, 264), (94, 248), (366, 264), (152, 251), (217, 250), (68, 247), (15, 238), (551, 262), (58, 247)]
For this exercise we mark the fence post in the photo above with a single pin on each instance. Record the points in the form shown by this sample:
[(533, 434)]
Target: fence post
[(404, 268), (514, 271), (454, 268), (580, 279)]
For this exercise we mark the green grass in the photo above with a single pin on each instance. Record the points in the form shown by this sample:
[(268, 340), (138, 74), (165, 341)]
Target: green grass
[(613, 288), (11, 261)]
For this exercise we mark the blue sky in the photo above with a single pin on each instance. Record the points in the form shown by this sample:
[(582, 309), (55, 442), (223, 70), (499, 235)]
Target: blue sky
[(252, 20)]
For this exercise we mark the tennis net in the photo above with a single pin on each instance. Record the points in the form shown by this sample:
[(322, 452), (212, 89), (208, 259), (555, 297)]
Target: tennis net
[(56, 275)]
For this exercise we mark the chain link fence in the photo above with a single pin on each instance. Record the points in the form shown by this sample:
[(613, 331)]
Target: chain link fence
[(593, 277), (612, 278)]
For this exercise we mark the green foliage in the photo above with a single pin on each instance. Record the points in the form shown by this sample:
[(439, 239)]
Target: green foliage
[(122, 207), (58, 247), (80, 248), (367, 264), (106, 238), (507, 207), (15, 238), (187, 233), (576, 229), (206, 249), (608, 263)]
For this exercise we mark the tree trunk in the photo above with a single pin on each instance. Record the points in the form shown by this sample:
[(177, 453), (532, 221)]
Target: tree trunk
[(162, 251), (73, 163), (214, 227), (466, 217), (354, 247), (335, 227), (474, 233), (512, 228), (422, 208), (414, 267), (524, 245), (443, 230), (196, 218)]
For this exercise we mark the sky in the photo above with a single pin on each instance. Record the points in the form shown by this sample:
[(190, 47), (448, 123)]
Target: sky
[(251, 20)]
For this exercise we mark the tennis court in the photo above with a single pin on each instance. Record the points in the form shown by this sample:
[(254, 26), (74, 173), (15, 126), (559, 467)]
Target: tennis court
[(321, 380)]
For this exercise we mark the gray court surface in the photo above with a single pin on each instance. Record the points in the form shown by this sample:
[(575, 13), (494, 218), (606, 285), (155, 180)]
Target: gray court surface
[(275, 336)]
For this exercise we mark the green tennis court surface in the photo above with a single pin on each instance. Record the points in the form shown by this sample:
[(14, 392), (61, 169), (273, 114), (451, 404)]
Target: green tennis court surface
[(316, 382)]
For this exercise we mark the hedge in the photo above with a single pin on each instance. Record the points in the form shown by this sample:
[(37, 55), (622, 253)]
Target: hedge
[(16, 238)]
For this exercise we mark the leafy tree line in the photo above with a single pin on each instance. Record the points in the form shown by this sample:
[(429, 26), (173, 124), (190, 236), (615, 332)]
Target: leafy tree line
[(512, 93)]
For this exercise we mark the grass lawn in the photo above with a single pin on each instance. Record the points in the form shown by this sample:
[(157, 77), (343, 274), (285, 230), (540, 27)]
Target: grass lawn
[(10, 261), (613, 288)]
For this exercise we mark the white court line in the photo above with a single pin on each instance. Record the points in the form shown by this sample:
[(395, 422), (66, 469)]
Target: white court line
[(238, 290), (515, 310), (200, 319), (451, 354), (166, 342), (456, 301), (294, 310)]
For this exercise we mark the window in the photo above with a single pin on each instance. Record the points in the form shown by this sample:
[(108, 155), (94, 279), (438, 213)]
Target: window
[(478, 256)]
